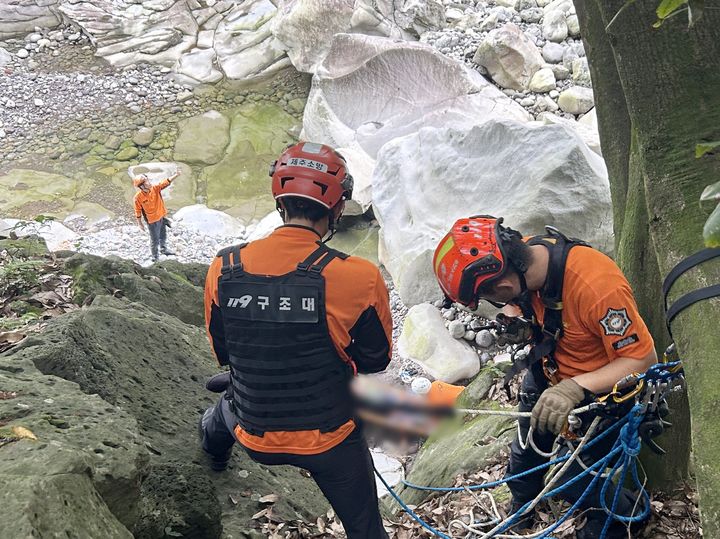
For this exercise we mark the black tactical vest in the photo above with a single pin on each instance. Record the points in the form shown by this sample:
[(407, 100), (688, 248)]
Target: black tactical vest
[(286, 374)]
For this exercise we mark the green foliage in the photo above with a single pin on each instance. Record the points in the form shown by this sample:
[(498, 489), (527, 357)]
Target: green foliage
[(18, 276), (705, 147), (711, 230), (670, 8), (41, 219), (11, 324)]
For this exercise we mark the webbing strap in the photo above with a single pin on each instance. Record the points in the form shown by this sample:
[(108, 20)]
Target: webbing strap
[(231, 264), (684, 265), (690, 299), (320, 258)]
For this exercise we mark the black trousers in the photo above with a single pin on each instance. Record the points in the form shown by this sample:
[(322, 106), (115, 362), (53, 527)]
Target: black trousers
[(527, 488), (343, 473), (158, 236)]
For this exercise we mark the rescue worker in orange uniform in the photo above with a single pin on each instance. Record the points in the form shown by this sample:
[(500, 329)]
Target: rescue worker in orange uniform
[(149, 204), (295, 320), (588, 336)]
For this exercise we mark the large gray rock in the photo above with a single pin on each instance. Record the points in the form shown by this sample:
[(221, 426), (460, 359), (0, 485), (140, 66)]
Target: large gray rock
[(510, 57), (370, 90), (151, 366), (82, 475), (199, 65), (203, 139), (530, 174), (306, 27), (426, 341), (554, 26), (18, 17)]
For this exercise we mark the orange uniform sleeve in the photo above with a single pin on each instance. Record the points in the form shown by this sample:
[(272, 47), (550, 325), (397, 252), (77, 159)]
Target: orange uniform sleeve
[(162, 185), (371, 345), (138, 207), (213, 314), (616, 320)]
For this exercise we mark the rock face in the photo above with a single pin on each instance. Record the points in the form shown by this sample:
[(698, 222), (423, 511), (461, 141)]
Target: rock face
[(370, 90), (425, 340), (126, 32), (245, 44), (22, 16), (113, 392), (509, 56), (82, 476), (203, 139), (425, 181)]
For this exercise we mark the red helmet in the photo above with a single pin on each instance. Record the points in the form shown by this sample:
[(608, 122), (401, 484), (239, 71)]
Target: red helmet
[(313, 171), (470, 255)]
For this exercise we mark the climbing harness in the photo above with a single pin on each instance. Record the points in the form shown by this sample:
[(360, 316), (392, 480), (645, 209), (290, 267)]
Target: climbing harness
[(647, 393), (547, 335)]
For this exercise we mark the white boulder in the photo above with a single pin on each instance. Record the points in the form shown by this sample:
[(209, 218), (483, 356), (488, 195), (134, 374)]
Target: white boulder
[(530, 174), (554, 26), (370, 90), (209, 222), (265, 227), (199, 65), (57, 236), (576, 100), (18, 17), (585, 127), (5, 57), (244, 41), (124, 32), (543, 81), (510, 57), (425, 341)]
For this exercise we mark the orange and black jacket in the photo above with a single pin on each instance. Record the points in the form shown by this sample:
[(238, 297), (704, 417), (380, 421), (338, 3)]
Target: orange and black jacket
[(358, 320)]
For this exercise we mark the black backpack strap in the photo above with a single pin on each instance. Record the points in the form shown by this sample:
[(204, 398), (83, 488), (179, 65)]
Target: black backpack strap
[(316, 261), (231, 263), (684, 265), (693, 297), (688, 299)]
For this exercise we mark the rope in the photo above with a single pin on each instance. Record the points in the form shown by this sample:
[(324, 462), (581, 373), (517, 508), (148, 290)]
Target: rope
[(622, 459)]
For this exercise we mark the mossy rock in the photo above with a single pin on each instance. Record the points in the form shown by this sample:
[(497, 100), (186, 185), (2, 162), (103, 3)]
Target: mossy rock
[(23, 307), (155, 287), (27, 247), (477, 391), (25, 193), (81, 476), (239, 183), (178, 501), (203, 139), (457, 448), (126, 154), (153, 367)]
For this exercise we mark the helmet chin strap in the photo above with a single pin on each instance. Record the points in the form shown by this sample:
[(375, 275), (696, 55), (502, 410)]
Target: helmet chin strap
[(331, 226)]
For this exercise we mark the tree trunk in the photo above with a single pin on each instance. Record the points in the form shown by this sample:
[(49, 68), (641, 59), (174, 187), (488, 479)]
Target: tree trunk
[(633, 251), (671, 81)]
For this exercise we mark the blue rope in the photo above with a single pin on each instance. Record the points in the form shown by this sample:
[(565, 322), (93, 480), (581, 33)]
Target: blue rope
[(408, 510), (627, 447), (520, 475)]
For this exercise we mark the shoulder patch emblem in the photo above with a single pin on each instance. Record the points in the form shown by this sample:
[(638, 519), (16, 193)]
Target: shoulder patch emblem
[(616, 322)]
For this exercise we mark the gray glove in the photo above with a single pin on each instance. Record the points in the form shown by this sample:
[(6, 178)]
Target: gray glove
[(554, 405)]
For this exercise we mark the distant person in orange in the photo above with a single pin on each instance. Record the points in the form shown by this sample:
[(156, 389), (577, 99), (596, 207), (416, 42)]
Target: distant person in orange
[(295, 320), (149, 205), (588, 335)]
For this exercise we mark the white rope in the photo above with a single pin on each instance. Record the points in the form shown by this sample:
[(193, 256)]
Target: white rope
[(550, 484)]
